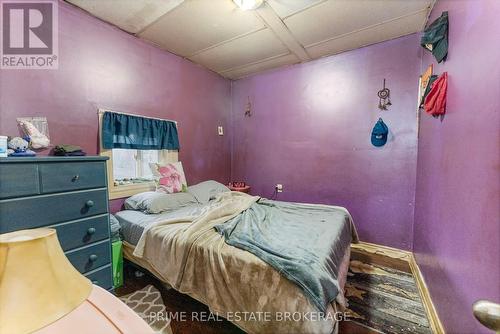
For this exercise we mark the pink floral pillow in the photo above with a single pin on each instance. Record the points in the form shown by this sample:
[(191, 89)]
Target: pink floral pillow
[(170, 177)]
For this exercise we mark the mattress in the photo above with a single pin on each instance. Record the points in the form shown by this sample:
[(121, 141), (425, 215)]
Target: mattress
[(133, 223), (191, 256)]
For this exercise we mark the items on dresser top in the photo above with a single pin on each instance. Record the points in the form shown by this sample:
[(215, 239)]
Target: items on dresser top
[(68, 194), (19, 147), (3, 146), (69, 150), (37, 129)]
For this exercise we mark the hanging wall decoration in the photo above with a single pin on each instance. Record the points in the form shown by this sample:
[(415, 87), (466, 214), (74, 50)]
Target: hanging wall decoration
[(384, 96), (248, 108)]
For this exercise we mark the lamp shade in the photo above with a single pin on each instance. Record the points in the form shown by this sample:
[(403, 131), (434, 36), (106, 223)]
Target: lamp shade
[(38, 285)]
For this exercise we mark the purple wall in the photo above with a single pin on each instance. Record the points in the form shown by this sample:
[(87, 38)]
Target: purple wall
[(310, 130), (457, 227), (101, 66)]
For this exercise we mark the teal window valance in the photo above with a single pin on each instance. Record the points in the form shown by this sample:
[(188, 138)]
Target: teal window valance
[(135, 132)]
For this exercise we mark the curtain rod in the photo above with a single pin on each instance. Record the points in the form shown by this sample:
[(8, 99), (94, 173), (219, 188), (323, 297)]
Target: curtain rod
[(102, 111)]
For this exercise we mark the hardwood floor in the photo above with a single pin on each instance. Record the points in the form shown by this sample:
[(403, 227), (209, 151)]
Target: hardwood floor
[(381, 300), (384, 299)]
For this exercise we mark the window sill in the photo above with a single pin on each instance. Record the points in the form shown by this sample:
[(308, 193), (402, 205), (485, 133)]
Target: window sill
[(128, 190)]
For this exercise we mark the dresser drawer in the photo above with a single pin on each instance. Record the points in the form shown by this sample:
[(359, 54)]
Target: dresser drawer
[(102, 277), (43, 210), (82, 232), (90, 257), (18, 180), (56, 177)]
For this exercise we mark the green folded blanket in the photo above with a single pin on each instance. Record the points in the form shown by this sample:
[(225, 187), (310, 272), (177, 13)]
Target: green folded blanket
[(68, 150)]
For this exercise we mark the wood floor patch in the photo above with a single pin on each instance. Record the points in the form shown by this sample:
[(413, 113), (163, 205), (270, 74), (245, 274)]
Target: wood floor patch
[(385, 300)]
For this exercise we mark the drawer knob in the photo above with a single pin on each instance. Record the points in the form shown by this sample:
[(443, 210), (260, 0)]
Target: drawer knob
[(75, 178), (89, 203), (91, 231), (93, 257)]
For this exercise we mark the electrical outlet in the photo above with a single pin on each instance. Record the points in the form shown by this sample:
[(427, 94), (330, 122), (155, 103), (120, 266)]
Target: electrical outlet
[(279, 188), (220, 130)]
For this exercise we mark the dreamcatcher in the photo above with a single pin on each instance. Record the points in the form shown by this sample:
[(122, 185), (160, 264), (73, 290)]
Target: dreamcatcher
[(384, 96)]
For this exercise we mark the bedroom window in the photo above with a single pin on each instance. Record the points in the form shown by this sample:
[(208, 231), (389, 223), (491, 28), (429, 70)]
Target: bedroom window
[(132, 166), (131, 143)]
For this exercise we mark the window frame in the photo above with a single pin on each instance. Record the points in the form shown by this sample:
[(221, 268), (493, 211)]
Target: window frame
[(127, 190)]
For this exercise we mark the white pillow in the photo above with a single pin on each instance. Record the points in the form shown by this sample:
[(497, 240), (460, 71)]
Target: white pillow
[(205, 191), (156, 202)]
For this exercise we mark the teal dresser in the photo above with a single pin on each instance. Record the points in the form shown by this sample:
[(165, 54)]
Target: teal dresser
[(66, 193)]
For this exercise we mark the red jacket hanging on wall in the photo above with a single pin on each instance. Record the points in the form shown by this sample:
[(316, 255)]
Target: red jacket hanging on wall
[(435, 101)]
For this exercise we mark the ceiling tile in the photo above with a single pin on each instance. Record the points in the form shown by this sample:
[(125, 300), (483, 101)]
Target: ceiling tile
[(236, 43), (286, 8), (197, 25), (375, 34), (260, 66), (242, 51), (129, 15), (337, 17)]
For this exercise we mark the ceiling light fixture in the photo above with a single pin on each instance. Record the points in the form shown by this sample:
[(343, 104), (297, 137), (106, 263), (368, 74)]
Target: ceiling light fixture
[(248, 4)]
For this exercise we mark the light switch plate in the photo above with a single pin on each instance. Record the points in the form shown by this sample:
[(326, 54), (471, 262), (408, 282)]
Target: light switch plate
[(220, 130)]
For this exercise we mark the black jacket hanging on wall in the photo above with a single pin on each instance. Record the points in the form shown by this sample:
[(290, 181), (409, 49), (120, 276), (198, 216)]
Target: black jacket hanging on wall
[(435, 38)]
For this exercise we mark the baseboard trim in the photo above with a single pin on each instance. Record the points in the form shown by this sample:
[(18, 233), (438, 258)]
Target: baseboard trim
[(382, 255), (382, 250), (434, 320), (405, 261)]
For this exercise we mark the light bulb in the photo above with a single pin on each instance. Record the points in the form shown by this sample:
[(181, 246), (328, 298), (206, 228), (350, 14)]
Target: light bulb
[(248, 4)]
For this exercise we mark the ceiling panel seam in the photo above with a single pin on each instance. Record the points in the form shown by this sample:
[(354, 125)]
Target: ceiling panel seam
[(140, 31), (281, 31), (226, 41), (365, 28), (239, 67), (303, 9), (429, 8)]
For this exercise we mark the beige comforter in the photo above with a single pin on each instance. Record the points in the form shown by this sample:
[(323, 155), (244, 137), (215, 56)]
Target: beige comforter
[(191, 256)]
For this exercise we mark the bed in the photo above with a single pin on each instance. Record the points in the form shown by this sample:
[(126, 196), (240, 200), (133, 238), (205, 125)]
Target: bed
[(183, 248)]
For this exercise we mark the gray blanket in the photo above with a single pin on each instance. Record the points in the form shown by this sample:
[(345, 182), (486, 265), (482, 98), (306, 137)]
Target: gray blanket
[(304, 242)]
